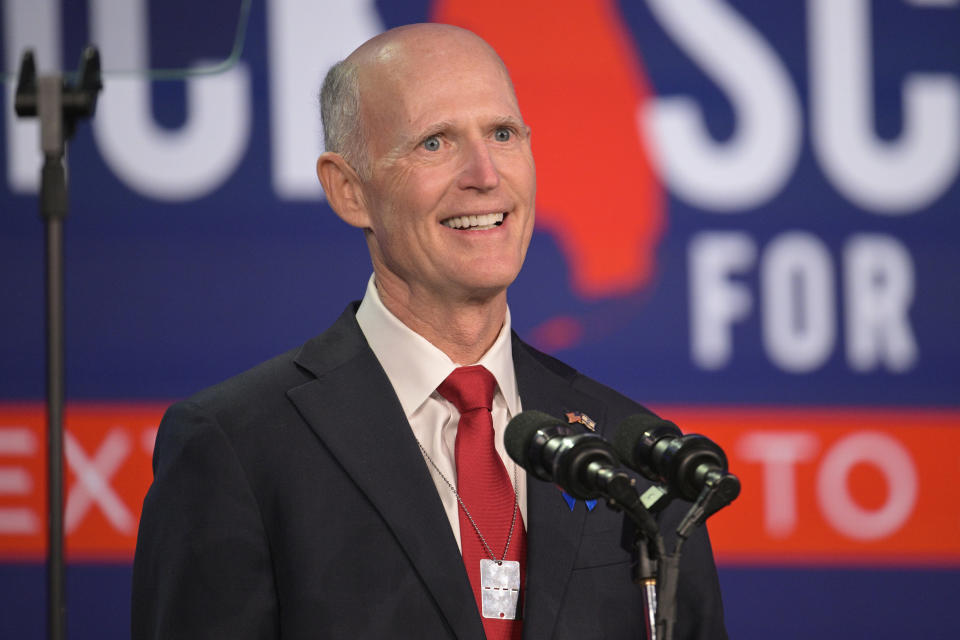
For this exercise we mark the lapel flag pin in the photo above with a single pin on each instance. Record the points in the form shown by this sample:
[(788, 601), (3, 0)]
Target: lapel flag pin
[(582, 418)]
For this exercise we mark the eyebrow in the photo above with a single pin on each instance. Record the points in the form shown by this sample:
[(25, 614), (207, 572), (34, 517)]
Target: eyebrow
[(511, 121), (407, 142), (431, 130)]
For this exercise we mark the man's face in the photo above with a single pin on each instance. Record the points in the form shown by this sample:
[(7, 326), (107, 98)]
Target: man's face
[(450, 199)]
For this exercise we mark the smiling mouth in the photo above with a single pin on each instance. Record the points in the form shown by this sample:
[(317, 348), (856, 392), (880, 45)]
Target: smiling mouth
[(475, 223)]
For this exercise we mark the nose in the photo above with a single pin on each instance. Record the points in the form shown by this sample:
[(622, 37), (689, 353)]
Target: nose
[(479, 170)]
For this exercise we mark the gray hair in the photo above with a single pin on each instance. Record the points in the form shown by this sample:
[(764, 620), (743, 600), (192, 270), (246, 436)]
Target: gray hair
[(340, 115)]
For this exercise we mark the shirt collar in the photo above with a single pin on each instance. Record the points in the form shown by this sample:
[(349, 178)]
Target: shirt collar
[(416, 367)]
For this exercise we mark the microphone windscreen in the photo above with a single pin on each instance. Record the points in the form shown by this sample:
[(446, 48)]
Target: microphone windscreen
[(633, 431), (521, 431)]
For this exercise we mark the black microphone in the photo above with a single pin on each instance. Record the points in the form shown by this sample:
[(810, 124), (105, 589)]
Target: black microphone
[(685, 463), (583, 464)]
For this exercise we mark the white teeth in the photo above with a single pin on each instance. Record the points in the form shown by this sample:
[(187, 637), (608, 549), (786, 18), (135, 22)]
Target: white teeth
[(481, 222)]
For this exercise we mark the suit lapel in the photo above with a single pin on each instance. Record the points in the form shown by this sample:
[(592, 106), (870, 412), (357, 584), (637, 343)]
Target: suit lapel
[(553, 530), (353, 409)]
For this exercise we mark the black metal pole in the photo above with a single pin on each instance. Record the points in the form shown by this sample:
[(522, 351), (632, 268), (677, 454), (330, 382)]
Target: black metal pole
[(53, 211), (58, 107), (56, 566)]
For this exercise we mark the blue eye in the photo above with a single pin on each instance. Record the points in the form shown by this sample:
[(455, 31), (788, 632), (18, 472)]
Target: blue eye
[(502, 135), (432, 143)]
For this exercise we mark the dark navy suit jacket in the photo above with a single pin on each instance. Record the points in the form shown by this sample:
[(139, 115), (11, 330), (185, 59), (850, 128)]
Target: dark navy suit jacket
[(292, 502)]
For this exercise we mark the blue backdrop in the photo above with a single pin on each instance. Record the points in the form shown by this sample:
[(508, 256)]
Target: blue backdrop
[(801, 232)]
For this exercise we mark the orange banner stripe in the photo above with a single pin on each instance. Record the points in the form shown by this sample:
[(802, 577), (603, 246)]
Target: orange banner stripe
[(844, 486), (108, 450)]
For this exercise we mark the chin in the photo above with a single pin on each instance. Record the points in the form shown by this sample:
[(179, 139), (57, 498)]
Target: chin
[(490, 290), (500, 277)]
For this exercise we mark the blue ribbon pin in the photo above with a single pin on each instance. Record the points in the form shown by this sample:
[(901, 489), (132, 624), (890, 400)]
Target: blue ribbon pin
[(571, 501)]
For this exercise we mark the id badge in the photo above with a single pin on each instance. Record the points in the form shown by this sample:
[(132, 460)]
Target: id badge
[(499, 588)]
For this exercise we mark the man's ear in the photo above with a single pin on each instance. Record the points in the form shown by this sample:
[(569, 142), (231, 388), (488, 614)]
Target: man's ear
[(341, 184)]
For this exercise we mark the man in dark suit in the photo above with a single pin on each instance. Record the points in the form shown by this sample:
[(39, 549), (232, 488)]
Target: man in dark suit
[(348, 489)]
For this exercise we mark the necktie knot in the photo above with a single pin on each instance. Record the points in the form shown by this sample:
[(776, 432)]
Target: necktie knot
[(469, 388)]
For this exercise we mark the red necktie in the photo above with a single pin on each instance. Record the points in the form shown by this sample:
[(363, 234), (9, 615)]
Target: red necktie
[(484, 487)]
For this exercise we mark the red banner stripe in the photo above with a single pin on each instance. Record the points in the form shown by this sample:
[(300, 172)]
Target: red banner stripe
[(832, 486), (108, 449), (838, 486)]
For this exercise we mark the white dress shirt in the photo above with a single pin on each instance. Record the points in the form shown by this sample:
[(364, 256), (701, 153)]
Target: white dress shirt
[(416, 368)]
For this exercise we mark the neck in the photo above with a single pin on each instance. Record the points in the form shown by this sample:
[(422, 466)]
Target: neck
[(464, 330)]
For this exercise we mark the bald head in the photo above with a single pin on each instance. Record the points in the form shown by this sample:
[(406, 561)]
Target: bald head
[(417, 43), (357, 88)]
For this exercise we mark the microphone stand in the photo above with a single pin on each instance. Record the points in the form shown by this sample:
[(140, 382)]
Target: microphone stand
[(649, 548), (719, 490), (657, 571), (58, 106), (644, 571)]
